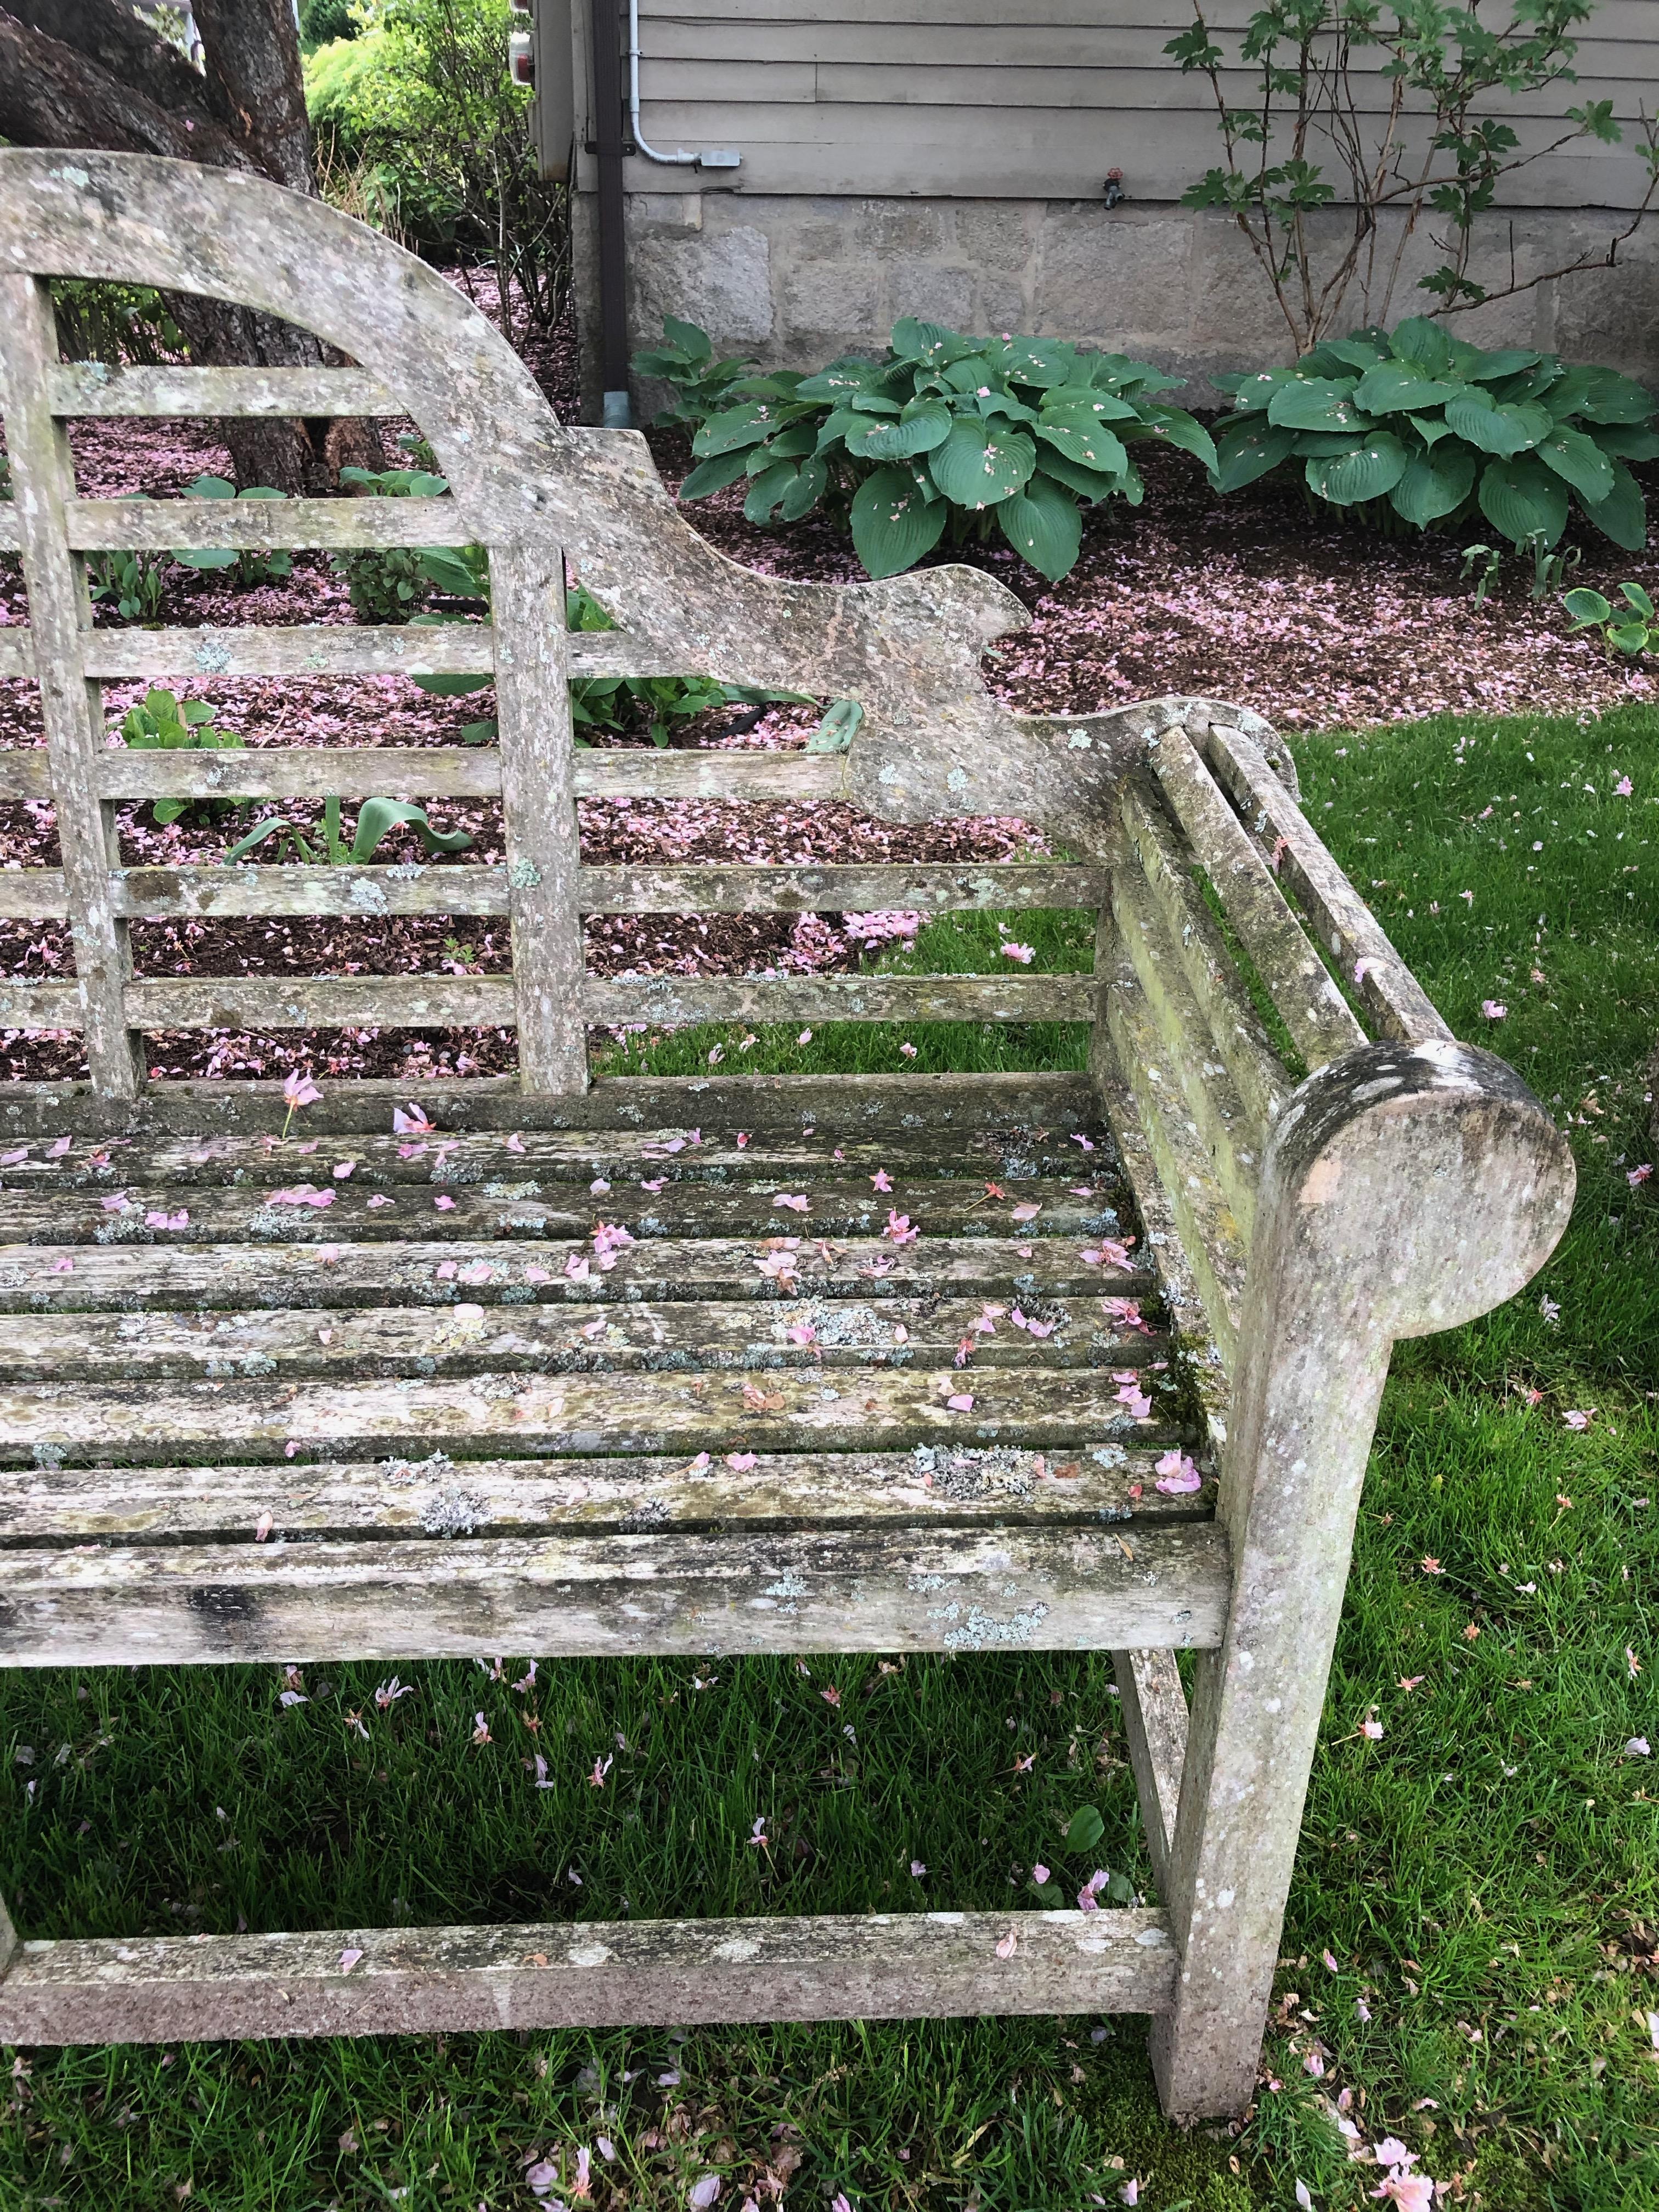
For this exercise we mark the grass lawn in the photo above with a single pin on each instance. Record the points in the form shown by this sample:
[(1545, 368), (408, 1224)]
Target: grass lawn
[(1470, 1950)]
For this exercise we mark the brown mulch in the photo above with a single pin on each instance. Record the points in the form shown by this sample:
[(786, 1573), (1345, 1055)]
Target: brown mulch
[(1303, 617)]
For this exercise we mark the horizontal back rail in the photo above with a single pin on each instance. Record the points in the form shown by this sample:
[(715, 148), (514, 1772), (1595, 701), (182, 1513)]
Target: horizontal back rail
[(289, 1002), (95, 388)]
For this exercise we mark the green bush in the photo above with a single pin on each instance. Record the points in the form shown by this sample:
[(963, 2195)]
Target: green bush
[(160, 723), (1433, 427), (387, 584), (419, 126), (947, 437)]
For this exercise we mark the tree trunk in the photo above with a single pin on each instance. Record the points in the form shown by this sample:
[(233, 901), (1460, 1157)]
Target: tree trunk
[(89, 73)]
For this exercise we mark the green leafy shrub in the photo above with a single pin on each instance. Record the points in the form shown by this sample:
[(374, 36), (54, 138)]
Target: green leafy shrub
[(131, 585), (1630, 629), (376, 818), (947, 437), (612, 703), (387, 584), (116, 323), (1424, 426), (685, 361), (162, 723), (262, 567)]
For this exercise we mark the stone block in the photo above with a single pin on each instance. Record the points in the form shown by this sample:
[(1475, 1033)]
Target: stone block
[(721, 280), (1120, 280), (934, 292), (663, 212), (1000, 234), (831, 306), (1004, 306), (888, 227)]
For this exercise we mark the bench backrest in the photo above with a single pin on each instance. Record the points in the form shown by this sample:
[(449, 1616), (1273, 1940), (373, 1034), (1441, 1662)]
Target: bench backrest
[(538, 495)]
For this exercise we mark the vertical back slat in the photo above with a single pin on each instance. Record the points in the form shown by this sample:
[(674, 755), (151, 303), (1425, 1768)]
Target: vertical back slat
[(70, 703), (539, 805)]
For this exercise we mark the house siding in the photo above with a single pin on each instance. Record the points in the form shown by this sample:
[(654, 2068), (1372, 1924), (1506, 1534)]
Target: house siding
[(948, 157)]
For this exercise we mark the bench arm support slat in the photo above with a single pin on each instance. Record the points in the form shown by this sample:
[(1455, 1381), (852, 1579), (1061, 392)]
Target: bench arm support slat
[(1408, 1188)]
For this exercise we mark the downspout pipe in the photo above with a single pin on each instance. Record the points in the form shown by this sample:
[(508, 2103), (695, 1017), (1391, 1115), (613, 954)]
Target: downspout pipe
[(616, 413)]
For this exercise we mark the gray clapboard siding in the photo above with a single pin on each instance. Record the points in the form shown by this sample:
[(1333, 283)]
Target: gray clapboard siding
[(986, 97)]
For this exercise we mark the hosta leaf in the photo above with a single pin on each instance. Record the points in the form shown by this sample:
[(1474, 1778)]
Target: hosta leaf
[(840, 379), (1039, 363), (1430, 428), (1089, 483), (924, 424), (1508, 360), (1579, 461), (1320, 444), (1520, 497), (1355, 351), (1254, 393), (738, 428), (1493, 429), (1427, 344), (1628, 442), (714, 474), (1587, 608), (1601, 395), (1177, 427), (1316, 403), (1623, 514), (1042, 522), (1371, 469), (1395, 387), (1434, 485), (803, 495), (893, 524), (692, 340), (931, 342), (1080, 437), (981, 464), (1241, 456), (1103, 405), (874, 403), (767, 490)]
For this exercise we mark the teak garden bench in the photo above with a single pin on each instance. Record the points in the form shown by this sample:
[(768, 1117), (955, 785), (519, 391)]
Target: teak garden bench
[(495, 1443)]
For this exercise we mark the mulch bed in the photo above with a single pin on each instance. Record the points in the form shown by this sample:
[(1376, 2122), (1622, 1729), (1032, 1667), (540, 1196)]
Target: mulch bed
[(1303, 617)]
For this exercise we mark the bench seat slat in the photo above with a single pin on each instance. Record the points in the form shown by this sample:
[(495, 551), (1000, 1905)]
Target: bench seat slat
[(599, 1974), (435, 1496), (856, 1108), (179, 1276), (383, 1342), (716, 1412), (527, 1207), (627, 1158), (757, 1590)]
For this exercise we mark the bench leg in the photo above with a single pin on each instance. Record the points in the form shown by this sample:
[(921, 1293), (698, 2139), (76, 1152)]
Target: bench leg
[(1254, 1725)]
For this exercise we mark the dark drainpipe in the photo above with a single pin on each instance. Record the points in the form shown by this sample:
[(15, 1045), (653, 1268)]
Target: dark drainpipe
[(608, 147)]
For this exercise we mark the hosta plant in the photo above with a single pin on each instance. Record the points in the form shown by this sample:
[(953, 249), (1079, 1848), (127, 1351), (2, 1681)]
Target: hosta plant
[(1630, 629), (685, 361), (161, 722), (948, 438), (596, 702), (331, 846), (1433, 427), (266, 566)]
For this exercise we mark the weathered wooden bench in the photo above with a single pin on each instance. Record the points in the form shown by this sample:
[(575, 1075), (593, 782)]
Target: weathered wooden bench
[(445, 1414)]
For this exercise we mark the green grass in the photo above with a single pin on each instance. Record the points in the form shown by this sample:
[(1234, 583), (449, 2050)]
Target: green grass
[(1483, 1876)]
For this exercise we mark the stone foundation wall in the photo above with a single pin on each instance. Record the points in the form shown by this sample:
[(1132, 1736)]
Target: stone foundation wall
[(795, 281)]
